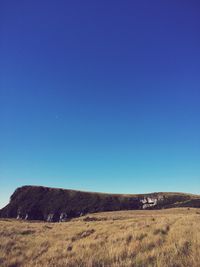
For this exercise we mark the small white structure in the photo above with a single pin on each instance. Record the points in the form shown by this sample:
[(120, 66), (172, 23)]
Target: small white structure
[(50, 217), (18, 216), (63, 217)]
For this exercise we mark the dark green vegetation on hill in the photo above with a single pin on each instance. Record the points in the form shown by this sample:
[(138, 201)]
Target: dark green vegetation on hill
[(51, 204)]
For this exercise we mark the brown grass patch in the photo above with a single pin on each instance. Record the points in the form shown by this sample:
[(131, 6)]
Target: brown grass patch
[(119, 239)]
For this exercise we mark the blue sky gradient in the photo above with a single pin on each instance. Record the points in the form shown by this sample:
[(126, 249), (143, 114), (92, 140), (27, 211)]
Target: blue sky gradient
[(100, 95)]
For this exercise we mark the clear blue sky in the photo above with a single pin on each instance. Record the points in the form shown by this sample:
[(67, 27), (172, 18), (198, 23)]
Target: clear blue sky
[(100, 95)]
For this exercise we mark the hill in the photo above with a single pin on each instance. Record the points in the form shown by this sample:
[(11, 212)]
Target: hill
[(56, 204)]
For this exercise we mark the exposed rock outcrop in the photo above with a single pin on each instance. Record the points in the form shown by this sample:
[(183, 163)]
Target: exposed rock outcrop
[(148, 202)]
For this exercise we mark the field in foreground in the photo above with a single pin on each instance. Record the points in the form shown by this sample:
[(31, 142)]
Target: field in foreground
[(126, 238)]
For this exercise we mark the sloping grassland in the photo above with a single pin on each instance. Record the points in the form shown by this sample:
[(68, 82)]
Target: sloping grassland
[(164, 238)]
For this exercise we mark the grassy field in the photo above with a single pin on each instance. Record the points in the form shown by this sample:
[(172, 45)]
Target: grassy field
[(127, 238)]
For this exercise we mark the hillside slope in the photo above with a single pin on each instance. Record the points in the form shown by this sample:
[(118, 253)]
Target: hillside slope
[(51, 204)]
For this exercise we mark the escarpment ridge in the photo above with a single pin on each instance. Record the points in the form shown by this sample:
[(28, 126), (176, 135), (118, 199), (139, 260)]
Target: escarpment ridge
[(56, 204)]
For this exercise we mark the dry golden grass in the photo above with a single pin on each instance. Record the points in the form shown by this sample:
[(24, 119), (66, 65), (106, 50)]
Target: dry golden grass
[(129, 238)]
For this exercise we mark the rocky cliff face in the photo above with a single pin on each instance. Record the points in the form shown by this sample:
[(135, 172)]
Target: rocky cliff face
[(52, 205)]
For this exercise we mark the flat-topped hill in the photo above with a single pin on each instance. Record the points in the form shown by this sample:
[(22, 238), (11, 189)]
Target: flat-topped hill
[(56, 204)]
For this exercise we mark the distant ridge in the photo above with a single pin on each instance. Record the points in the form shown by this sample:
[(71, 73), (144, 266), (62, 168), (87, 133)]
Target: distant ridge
[(57, 204)]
